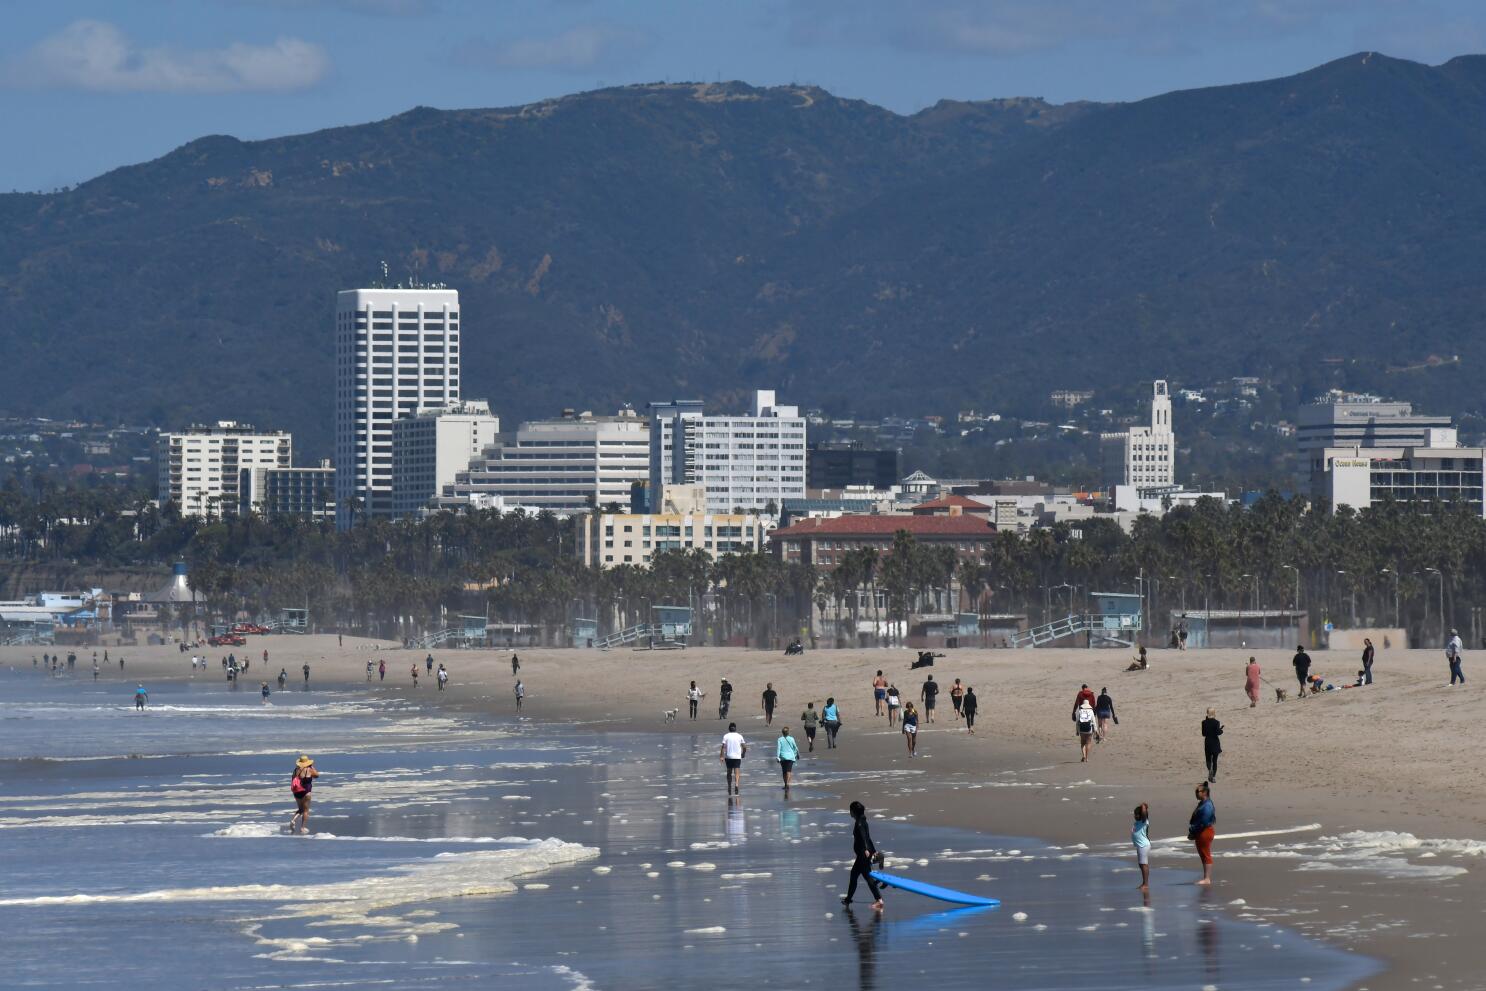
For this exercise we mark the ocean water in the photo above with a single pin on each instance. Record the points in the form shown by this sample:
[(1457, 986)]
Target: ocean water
[(454, 851)]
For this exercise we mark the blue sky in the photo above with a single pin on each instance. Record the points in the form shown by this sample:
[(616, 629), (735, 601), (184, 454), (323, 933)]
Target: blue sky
[(88, 85)]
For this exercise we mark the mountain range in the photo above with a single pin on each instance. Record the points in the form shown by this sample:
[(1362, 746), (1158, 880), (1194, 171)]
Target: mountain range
[(702, 240)]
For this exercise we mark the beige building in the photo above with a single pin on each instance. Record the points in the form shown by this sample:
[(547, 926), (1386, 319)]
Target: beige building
[(203, 469), (607, 540), (430, 448)]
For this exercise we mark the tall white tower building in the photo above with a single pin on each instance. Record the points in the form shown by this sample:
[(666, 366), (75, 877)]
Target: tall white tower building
[(397, 352), (1150, 452)]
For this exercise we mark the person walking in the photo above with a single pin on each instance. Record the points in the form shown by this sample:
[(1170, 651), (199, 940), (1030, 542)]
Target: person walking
[(443, 676), (368, 669), (910, 728), (1104, 713), (830, 717), (724, 698), (1302, 663), (1140, 837), (786, 751), (1200, 831), (928, 694), (879, 693), (1251, 682), (300, 786), (894, 703), (1453, 651), (520, 694), (1212, 744), (283, 678), (95, 667), (693, 696), (968, 707), (864, 852), (382, 670), (769, 698), (515, 664), (809, 719), (263, 692), (1084, 726), (306, 670), (141, 699), (1367, 659), (428, 663), (734, 748), (957, 697), (414, 672)]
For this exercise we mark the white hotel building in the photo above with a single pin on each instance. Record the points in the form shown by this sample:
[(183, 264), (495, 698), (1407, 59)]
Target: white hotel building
[(397, 352), (203, 469), (1150, 452), (745, 462), (432, 446)]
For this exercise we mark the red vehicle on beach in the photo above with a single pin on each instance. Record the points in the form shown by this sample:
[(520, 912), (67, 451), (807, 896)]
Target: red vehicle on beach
[(227, 640)]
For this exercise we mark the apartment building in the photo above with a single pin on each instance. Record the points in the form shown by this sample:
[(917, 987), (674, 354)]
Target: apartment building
[(430, 448), (209, 470), (751, 462)]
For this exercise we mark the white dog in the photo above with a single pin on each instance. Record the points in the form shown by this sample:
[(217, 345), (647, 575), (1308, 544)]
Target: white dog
[(671, 715)]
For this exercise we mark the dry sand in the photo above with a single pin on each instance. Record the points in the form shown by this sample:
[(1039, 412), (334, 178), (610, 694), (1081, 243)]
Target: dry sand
[(1398, 756)]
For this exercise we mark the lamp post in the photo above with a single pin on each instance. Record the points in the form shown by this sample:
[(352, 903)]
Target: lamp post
[(1394, 573), (1441, 576), (1351, 581), (1241, 640)]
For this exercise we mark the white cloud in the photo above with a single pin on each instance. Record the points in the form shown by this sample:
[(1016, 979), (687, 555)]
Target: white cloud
[(578, 48), (97, 56)]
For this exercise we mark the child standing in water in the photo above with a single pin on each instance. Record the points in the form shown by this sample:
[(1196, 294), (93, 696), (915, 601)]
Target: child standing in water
[(1140, 835)]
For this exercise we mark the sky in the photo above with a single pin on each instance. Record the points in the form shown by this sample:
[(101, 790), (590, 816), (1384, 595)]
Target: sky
[(90, 85)]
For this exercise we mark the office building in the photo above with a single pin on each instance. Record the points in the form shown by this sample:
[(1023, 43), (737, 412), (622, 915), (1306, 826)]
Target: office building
[(1338, 420), (397, 352), (824, 543), (203, 469), (303, 492), (838, 466), (430, 447), (1150, 452), (574, 463), (1437, 472), (608, 540), (752, 462)]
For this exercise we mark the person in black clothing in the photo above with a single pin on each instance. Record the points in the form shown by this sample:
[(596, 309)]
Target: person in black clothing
[(1367, 655), (1104, 714), (1302, 664), (724, 699), (928, 694), (968, 705), (1212, 746), (515, 664), (865, 852), (770, 697)]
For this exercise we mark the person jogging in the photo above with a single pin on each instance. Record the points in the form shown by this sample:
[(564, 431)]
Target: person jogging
[(863, 853), (786, 751), (770, 697), (1454, 650), (300, 786), (734, 748)]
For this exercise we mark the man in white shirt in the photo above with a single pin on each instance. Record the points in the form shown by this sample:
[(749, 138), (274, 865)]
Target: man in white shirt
[(1453, 651), (734, 748)]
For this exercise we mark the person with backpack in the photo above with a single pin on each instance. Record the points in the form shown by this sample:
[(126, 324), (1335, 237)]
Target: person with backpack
[(300, 786), (1084, 725), (830, 717)]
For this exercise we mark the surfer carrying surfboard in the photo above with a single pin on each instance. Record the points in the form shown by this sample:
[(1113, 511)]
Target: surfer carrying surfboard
[(865, 852)]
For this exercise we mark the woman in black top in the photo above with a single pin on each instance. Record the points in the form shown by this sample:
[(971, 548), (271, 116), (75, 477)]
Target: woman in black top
[(861, 865), (968, 705), (1211, 744)]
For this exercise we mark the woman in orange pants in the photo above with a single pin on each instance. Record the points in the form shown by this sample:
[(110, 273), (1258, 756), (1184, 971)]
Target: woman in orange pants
[(1200, 831)]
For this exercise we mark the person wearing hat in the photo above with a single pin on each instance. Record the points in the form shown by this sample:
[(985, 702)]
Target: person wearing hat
[(1453, 651), (300, 786)]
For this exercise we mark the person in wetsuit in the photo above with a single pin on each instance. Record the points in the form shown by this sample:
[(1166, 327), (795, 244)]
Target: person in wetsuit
[(864, 852)]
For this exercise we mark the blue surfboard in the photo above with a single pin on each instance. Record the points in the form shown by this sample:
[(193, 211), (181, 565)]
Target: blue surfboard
[(932, 890)]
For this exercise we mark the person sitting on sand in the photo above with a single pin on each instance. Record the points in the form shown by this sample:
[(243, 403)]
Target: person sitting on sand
[(1140, 663)]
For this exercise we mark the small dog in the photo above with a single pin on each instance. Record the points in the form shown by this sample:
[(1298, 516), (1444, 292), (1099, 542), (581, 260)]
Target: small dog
[(1280, 695), (671, 715)]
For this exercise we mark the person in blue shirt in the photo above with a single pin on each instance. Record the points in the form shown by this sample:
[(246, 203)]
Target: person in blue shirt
[(787, 751), (1200, 831), (830, 717), (141, 699), (1140, 836)]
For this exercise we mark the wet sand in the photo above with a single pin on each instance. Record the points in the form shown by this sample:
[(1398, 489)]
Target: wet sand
[(1394, 757)]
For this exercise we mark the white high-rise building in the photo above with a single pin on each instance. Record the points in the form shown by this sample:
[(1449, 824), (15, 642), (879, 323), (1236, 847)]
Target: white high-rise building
[(430, 447), (397, 352), (572, 464), (1150, 452), (203, 468), (746, 462)]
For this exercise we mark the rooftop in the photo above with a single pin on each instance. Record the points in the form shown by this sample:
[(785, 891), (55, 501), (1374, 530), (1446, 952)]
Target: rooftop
[(919, 526)]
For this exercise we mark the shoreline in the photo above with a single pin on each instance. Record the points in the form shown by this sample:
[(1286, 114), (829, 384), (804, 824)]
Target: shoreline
[(1412, 925)]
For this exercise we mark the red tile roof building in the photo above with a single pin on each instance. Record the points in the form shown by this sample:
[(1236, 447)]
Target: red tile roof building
[(823, 542), (949, 505)]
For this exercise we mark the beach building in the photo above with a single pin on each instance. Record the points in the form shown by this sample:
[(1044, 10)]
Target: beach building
[(607, 540), (203, 468), (397, 352), (574, 463), (751, 462), (430, 447), (824, 542), (1340, 420)]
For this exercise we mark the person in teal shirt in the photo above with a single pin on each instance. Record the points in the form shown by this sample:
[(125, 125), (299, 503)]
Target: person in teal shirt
[(1140, 836), (830, 717), (141, 698), (787, 751)]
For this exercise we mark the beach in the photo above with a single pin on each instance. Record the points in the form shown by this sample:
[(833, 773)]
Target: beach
[(1354, 817)]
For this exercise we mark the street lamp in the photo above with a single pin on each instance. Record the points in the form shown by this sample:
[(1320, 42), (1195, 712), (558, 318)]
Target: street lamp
[(1353, 584), (1295, 602), (1440, 575), (1391, 571)]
